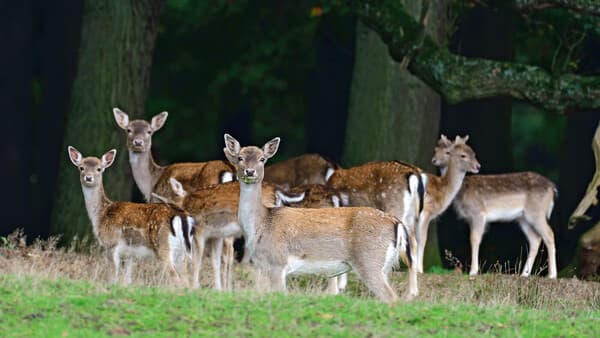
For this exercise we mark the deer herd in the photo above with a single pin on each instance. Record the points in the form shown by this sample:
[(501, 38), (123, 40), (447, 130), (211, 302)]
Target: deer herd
[(305, 215)]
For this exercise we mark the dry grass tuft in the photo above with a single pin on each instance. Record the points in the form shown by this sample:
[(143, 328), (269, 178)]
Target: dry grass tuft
[(85, 260)]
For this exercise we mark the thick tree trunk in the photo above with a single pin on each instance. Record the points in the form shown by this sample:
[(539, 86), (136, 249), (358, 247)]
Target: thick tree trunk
[(393, 115), (117, 40)]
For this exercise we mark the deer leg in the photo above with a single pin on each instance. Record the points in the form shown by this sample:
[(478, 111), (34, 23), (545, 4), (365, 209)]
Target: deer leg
[(342, 282), (277, 279), (423, 227), (545, 231), (128, 267), (413, 287), (215, 257), (116, 256), (332, 286), (477, 229), (534, 240), (197, 260), (376, 280), (227, 262)]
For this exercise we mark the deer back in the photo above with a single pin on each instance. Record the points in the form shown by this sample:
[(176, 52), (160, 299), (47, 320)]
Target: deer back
[(303, 169)]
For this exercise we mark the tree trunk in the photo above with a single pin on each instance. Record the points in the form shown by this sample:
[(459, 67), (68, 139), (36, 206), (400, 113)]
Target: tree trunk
[(115, 55), (393, 115)]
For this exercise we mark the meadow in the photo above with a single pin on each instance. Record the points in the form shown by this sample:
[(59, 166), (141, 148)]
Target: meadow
[(46, 291)]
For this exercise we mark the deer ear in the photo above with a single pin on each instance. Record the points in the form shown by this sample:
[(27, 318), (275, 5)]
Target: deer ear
[(466, 138), (158, 121), (109, 158), (121, 117), (444, 141), (270, 148), (74, 155), (232, 146), (177, 187)]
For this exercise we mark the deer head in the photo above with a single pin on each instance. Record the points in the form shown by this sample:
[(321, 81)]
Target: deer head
[(249, 161), (139, 132), (91, 168)]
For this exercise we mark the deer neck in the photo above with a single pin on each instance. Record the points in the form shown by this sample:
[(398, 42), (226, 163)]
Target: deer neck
[(95, 204), (451, 181), (145, 172), (251, 213)]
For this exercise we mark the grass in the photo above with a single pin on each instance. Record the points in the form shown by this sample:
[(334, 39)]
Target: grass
[(45, 291), (31, 307)]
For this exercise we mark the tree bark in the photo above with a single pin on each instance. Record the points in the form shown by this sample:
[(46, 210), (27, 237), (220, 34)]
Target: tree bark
[(393, 115), (115, 55), (590, 7), (460, 79)]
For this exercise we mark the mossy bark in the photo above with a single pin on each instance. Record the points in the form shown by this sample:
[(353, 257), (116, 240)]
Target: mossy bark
[(590, 7), (393, 115), (459, 78), (115, 55)]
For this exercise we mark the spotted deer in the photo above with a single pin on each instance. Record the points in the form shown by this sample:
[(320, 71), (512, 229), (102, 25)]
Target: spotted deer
[(133, 230), (151, 177), (316, 196), (300, 170), (329, 241), (394, 187), (441, 190), (215, 211), (524, 197)]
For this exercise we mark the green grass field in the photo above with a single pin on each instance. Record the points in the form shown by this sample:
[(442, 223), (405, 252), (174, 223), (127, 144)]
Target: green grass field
[(53, 308)]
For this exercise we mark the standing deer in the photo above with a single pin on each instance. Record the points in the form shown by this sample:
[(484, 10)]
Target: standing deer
[(149, 176), (317, 196), (525, 197), (152, 178), (133, 229), (394, 187), (215, 211), (329, 241), (441, 190), (300, 170)]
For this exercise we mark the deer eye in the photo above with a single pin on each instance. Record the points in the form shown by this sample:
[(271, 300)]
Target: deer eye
[(262, 159), (129, 130), (149, 132), (80, 168), (447, 153), (240, 159), (463, 156), (99, 169)]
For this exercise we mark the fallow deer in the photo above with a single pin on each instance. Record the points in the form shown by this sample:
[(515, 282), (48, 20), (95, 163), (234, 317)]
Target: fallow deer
[(316, 196), (215, 211), (441, 190), (133, 229), (300, 170), (328, 241), (394, 187), (524, 197), (151, 177)]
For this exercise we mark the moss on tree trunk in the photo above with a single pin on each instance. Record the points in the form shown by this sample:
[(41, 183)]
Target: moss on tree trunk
[(459, 78), (115, 55)]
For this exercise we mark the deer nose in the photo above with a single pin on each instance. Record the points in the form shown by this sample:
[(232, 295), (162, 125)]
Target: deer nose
[(138, 142), (250, 172), (88, 178)]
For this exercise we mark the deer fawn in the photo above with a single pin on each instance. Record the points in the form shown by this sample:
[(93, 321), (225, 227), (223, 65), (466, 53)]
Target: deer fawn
[(133, 229), (317, 196), (215, 210), (441, 190), (526, 197), (330, 241), (151, 177), (300, 170)]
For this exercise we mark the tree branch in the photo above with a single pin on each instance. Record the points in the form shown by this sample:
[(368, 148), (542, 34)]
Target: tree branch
[(460, 79), (591, 195), (589, 7)]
